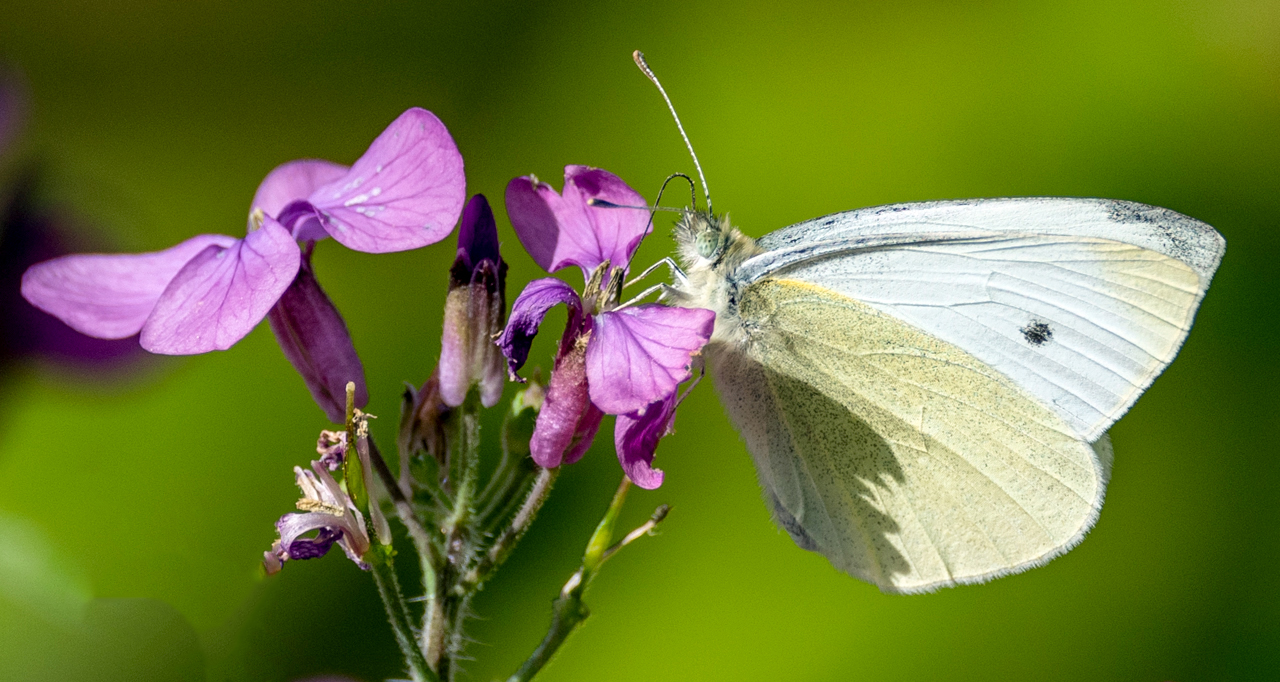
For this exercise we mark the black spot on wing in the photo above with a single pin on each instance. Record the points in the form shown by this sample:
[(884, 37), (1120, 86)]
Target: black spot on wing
[(1037, 332)]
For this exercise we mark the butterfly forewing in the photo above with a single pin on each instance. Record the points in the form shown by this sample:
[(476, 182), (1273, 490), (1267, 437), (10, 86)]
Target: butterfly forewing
[(1080, 302)]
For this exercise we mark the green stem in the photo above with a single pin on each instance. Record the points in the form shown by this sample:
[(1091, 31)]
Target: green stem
[(568, 610), (421, 538), (502, 546), (398, 614), (464, 463)]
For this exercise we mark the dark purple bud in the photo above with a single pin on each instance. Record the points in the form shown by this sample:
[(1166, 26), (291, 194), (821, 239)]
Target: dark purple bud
[(475, 310), (478, 234), (315, 340)]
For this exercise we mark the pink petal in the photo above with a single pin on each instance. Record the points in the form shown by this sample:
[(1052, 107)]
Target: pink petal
[(405, 192), (636, 438), (110, 296), (561, 230), (639, 355), (293, 181), (223, 293)]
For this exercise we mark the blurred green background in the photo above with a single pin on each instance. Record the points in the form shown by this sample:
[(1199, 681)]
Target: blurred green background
[(153, 491)]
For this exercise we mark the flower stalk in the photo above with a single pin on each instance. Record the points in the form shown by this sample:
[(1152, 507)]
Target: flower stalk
[(446, 606), (384, 576), (568, 609)]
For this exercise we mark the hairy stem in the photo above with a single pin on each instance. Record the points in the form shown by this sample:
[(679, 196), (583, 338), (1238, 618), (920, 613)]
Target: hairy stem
[(505, 542), (442, 619), (398, 614), (429, 557)]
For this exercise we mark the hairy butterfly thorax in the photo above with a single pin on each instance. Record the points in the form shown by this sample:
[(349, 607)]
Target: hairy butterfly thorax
[(710, 250)]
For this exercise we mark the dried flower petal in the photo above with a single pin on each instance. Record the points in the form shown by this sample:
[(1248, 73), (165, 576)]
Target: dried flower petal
[(326, 509)]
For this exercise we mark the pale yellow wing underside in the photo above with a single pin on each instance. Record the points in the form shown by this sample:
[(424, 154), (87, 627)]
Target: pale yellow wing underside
[(904, 460)]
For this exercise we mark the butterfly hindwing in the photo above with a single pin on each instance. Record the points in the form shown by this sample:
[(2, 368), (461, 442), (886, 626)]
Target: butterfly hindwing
[(903, 459)]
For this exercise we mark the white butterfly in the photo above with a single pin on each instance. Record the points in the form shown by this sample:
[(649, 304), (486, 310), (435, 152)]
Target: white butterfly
[(926, 388)]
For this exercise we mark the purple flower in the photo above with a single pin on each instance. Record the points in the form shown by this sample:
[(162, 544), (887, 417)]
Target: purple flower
[(626, 361), (563, 229), (475, 309), (208, 292)]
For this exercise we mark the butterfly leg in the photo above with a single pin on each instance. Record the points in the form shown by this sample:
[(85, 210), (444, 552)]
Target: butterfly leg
[(664, 288), (676, 272)]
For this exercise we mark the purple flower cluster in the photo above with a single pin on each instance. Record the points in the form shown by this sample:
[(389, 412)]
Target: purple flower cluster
[(405, 192), (613, 359)]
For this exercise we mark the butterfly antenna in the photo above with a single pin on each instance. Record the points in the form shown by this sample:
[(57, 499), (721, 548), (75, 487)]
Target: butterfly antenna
[(653, 210), (638, 56)]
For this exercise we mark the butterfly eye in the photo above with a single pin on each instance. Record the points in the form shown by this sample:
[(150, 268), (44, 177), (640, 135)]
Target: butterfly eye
[(708, 243)]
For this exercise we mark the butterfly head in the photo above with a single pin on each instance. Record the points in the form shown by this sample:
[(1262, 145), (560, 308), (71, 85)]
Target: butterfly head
[(709, 242), (700, 238)]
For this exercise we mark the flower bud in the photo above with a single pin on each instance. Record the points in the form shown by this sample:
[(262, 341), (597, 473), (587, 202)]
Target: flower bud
[(474, 311), (517, 430), (423, 419)]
